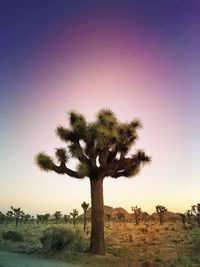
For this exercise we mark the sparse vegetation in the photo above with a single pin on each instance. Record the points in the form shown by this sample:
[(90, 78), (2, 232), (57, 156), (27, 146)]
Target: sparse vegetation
[(129, 244)]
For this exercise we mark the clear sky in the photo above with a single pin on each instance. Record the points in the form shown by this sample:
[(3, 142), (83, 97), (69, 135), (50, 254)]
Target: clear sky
[(139, 58)]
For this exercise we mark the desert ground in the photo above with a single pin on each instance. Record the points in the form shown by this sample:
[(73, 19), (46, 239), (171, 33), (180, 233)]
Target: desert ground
[(13, 259), (146, 244)]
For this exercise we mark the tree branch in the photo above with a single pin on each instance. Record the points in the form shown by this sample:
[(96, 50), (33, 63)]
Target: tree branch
[(62, 169), (127, 166)]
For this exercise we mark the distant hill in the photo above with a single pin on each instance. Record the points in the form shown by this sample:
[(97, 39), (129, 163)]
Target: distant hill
[(169, 216), (108, 210)]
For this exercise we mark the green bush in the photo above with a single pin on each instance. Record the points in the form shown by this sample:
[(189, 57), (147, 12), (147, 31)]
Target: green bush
[(59, 238), (13, 236)]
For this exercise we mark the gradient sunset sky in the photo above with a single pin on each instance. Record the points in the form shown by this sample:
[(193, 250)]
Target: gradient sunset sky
[(140, 58)]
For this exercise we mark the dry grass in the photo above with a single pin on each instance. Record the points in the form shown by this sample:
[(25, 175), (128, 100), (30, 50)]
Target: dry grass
[(142, 245)]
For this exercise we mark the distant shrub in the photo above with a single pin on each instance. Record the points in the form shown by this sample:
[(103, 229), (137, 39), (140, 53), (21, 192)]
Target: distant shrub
[(130, 237), (58, 238), (13, 236)]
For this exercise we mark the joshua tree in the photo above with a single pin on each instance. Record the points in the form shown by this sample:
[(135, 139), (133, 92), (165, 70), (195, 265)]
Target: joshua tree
[(183, 219), (46, 217), (74, 214), (43, 218), (17, 213), (161, 210), (85, 206), (102, 149), (57, 215), (196, 211), (40, 218), (189, 216), (137, 213)]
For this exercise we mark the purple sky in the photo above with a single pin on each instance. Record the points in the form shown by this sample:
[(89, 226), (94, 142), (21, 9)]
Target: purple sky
[(139, 58)]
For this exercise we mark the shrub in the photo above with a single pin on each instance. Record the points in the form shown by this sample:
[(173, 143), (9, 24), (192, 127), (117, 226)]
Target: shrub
[(195, 243), (13, 236), (58, 238)]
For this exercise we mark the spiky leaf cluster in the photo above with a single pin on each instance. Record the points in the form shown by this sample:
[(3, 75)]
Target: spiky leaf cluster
[(196, 209), (61, 155), (161, 209), (74, 214), (44, 162), (85, 206), (101, 147)]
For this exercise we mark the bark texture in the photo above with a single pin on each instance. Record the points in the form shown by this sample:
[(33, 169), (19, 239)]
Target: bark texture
[(97, 245)]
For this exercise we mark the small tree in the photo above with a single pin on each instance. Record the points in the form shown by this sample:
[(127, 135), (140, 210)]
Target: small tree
[(40, 219), (74, 214), (137, 213), (43, 218), (103, 149), (85, 206), (46, 217), (189, 216), (183, 219), (161, 210), (57, 215), (17, 213), (196, 211)]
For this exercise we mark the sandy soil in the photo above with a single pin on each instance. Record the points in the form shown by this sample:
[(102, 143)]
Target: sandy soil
[(11, 259)]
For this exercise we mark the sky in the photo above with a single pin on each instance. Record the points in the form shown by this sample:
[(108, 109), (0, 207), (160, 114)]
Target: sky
[(141, 59)]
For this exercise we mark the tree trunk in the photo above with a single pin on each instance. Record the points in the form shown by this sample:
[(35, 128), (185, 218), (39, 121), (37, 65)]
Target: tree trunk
[(84, 226), (161, 219), (97, 245), (136, 219)]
